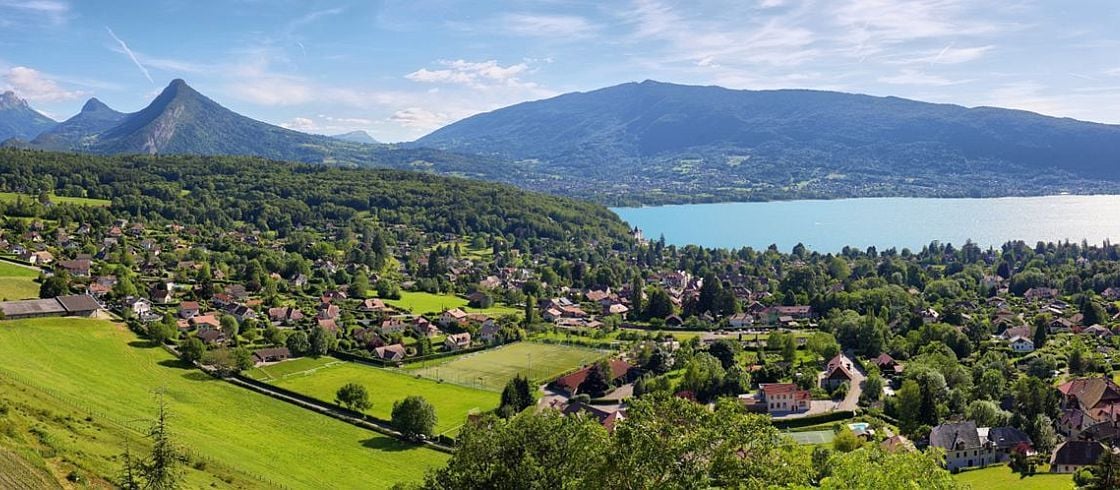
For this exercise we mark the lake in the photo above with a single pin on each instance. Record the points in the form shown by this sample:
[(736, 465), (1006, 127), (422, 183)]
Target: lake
[(827, 226)]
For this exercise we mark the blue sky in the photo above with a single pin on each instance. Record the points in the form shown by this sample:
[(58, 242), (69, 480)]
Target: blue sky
[(400, 69)]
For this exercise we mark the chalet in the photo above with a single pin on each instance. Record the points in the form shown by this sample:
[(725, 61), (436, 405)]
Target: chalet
[(887, 365), (139, 306), (1021, 345), (209, 320), (76, 267), (673, 321), (211, 336), (780, 398), (835, 376), (597, 296), (897, 443), (393, 325), (454, 316), (740, 320), (489, 332), (241, 312), (68, 305), (962, 445), (222, 299), (328, 311), (393, 352), (930, 315), (1071, 456), (775, 313), (189, 309), (1061, 325), (327, 324), (457, 341), (569, 384), (1039, 294), (274, 354), (1097, 331), (1007, 440), (616, 309), (424, 328), (1012, 332)]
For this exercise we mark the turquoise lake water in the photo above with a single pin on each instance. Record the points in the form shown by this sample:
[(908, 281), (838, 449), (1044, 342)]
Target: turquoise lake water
[(827, 226)]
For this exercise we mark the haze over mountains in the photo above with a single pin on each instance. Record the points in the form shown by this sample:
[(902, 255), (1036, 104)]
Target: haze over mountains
[(653, 142)]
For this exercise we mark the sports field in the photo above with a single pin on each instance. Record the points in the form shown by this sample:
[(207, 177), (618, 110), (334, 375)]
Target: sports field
[(105, 370), (419, 302), (492, 368), (321, 378), (18, 282), (812, 436)]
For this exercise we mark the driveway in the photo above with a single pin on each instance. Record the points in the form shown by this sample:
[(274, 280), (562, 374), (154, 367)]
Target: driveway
[(851, 402)]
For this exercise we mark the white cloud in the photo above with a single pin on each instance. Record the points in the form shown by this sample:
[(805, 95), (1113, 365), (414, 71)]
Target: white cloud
[(473, 74), (300, 124), (1115, 72), (558, 27), (33, 85), (419, 119), (54, 11)]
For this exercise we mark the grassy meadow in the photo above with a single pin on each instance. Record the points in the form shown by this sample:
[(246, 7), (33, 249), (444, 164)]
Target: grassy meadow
[(419, 302), (101, 368), (1001, 476), (492, 368), (321, 378), (81, 201), (17, 281)]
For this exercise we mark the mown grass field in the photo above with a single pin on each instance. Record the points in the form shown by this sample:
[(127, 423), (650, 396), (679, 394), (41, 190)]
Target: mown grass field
[(104, 369), (17, 281), (81, 201), (492, 368), (419, 302), (321, 378), (17, 472), (1002, 477)]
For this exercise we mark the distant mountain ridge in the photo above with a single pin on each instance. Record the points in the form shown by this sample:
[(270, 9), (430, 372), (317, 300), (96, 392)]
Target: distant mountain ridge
[(180, 120), (357, 137), (18, 120), (666, 142)]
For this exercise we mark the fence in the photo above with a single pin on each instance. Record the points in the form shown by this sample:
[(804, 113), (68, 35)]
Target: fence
[(138, 427)]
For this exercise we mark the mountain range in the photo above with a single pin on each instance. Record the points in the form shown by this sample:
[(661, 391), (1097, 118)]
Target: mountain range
[(652, 142), (19, 120)]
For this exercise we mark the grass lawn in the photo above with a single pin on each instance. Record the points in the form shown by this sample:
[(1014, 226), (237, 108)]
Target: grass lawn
[(81, 201), (103, 368), (813, 437), (17, 281), (1002, 477), (322, 378), (419, 302), (492, 368)]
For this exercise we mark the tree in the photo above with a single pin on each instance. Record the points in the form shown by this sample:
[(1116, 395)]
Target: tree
[(1106, 472), (659, 304), (909, 399), (986, 413), (230, 327), (53, 286), (322, 341), (354, 397), (872, 467), (530, 311), (872, 388), (414, 417), (846, 441), (162, 468), (598, 380), (359, 285), (191, 350), (725, 350), (823, 344), (703, 376), (516, 397), (298, 344), (223, 360), (659, 362)]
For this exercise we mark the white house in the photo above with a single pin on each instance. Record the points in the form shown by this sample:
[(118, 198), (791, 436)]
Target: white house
[(963, 446), (1021, 344)]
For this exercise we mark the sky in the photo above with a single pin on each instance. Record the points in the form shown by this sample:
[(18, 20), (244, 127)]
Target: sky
[(400, 69)]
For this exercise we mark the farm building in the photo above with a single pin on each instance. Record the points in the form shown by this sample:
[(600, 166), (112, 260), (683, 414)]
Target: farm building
[(69, 305)]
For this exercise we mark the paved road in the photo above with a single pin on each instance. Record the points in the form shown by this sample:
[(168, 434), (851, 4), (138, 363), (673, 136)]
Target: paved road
[(851, 402)]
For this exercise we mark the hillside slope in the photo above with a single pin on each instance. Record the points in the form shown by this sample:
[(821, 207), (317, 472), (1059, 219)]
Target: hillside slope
[(19, 120), (81, 130), (700, 141)]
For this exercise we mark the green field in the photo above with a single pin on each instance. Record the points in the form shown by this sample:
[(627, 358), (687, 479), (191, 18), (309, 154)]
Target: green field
[(17, 281), (82, 201), (1002, 477), (105, 370), (17, 472), (812, 436), (321, 378), (420, 302), (492, 368)]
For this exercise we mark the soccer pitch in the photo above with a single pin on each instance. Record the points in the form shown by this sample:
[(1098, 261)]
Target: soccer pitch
[(492, 368)]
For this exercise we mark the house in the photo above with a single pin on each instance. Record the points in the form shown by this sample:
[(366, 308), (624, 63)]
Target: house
[(887, 365), (208, 320), (328, 311), (393, 352), (489, 332), (393, 325), (784, 398), (962, 445), (76, 267), (160, 293), (775, 314), (454, 316), (282, 315), (930, 315), (1071, 456), (1021, 345), (327, 324), (607, 418), (189, 309), (457, 341), (1008, 440), (1087, 402), (211, 336), (373, 304), (740, 320), (569, 384), (1036, 294), (424, 328), (274, 354), (897, 443), (1097, 331), (836, 375), (139, 306), (1012, 332)]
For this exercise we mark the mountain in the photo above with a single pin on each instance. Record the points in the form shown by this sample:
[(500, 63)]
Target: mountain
[(82, 129), (180, 120), (660, 142), (19, 120), (356, 137)]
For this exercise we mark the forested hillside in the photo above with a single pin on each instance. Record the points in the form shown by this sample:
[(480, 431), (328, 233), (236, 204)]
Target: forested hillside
[(279, 196)]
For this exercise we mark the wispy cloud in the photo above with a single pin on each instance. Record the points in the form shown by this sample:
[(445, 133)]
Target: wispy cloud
[(53, 11), (132, 56), (420, 119), (557, 27), (911, 76), (473, 74)]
